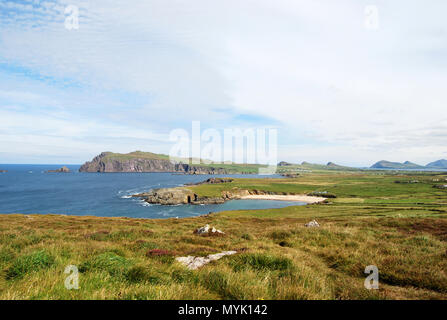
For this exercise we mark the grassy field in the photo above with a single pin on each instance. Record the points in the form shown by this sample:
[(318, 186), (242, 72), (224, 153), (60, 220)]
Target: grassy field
[(396, 222)]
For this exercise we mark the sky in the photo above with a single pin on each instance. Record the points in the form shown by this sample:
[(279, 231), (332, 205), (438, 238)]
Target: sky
[(336, 87)]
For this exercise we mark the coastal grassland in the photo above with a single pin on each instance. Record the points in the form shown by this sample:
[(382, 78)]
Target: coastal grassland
[(362, 186), (399, 227), (235, 168), (133, 155)]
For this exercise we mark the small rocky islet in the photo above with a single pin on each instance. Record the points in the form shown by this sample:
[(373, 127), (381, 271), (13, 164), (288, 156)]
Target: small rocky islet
[(63, 169)]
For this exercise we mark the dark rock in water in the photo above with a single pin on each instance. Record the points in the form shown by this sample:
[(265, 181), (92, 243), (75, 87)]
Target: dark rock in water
[(3, 171), (64, 169)]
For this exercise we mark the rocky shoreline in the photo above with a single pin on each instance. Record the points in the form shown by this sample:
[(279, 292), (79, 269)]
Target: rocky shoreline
[(183, 195)]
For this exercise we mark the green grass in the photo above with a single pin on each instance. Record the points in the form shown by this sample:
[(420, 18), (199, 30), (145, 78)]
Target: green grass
[(135, 154), (261, 262), (399, 227), (29, 263), (110, 262)]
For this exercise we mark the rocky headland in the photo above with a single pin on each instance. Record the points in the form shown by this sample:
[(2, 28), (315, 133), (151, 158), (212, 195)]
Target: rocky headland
[(147, 162), (184, 195)]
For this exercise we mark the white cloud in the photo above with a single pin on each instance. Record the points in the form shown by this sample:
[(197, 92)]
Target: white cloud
[(311, 66)]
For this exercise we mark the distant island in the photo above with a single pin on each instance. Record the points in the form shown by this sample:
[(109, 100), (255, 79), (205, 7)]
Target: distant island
[(139, 161), (383, 164)]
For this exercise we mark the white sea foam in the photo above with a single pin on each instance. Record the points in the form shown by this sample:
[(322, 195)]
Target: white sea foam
[(144, 203)]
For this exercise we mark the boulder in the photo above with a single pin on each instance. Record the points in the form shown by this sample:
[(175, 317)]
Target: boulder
[(193, 263), (208, 230), (312, 224)]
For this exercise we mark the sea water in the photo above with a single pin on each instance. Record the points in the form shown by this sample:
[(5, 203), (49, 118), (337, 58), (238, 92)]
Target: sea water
[(30, 189)]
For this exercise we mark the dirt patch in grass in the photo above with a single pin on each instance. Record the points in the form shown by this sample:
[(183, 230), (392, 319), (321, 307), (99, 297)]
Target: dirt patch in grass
[(260, 261), (435, 227), (98, 235)]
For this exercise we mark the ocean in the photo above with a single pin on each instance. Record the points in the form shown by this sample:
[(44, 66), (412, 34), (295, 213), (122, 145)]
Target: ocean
[(29, 189)]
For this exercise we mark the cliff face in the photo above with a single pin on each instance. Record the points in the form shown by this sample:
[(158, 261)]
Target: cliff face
[(106, 162)]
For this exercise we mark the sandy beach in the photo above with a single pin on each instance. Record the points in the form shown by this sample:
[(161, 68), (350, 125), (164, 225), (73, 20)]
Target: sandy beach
[(295, 197)]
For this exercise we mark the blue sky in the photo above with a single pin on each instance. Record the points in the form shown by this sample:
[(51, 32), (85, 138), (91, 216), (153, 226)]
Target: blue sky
[(135, 70)]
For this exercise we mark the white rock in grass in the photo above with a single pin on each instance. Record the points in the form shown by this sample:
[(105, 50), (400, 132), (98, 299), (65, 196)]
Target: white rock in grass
[(312, 224), (193, 263), (206, 229)]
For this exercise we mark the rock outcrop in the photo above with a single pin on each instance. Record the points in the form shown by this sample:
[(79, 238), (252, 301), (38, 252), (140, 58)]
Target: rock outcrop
[(193, 263), (312, 224), (184, 195), (207, 230), (174, 196), (64, 169), (212, 181)]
